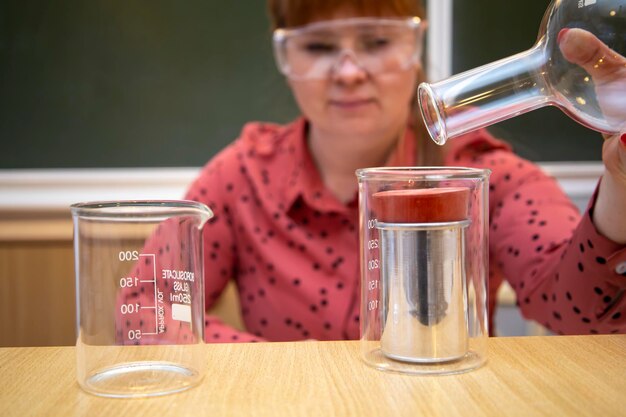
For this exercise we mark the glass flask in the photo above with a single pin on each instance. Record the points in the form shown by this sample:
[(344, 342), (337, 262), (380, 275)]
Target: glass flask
[(540, 76)]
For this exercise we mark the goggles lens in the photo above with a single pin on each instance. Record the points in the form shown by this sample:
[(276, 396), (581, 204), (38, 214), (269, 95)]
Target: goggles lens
[(376, 45)]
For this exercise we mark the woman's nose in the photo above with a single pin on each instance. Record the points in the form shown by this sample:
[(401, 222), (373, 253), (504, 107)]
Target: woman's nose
[(347, 69)]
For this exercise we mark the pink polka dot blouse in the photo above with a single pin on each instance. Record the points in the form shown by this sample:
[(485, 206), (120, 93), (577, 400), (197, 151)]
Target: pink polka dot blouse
[(292, 247)]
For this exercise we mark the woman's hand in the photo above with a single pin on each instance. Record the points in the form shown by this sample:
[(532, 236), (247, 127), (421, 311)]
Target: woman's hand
[(606, 67), (608, 70)]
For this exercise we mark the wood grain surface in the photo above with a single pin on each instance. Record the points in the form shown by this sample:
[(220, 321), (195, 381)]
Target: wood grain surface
[(530, 376)]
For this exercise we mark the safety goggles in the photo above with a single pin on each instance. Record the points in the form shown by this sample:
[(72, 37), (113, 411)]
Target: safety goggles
[(375, 45)]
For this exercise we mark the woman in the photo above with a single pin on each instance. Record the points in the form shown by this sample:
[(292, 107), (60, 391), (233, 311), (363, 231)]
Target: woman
[(285, 197)]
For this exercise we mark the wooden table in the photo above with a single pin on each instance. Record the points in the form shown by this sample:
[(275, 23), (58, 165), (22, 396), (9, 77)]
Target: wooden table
[(532, 376)]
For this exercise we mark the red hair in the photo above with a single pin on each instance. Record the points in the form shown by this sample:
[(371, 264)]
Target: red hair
[(290, 13)]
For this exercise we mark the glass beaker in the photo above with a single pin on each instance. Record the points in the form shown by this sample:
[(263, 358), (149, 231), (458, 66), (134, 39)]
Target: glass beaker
[(424, 253), (538, 77), (139, 296)]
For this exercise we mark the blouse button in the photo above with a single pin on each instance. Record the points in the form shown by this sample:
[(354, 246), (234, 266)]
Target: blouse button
[(621, 268)]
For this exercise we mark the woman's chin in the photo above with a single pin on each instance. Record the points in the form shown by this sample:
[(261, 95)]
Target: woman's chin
[(369, 126)]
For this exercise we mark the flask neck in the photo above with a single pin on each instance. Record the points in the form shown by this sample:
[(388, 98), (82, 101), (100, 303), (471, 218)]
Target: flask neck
[(486, 95)]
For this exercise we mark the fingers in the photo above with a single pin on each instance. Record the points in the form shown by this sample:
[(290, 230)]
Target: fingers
[(586, 50), (614, 158)]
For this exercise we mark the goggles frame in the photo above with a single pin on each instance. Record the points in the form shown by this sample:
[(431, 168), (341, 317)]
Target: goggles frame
[(281, 36)]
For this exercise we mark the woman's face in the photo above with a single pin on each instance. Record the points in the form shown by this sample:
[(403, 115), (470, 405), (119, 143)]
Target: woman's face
[(350, 100)]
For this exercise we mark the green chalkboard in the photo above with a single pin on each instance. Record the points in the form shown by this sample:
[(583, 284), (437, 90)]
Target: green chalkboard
[(162, 83), (110, 83), (487, 30)]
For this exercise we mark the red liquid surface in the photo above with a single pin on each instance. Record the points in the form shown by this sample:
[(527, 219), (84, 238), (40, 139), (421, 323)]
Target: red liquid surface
[(423, 205)]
